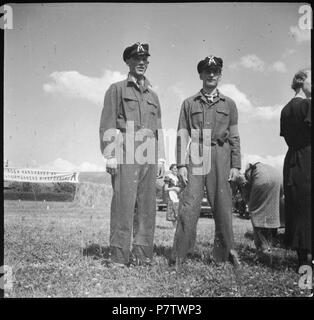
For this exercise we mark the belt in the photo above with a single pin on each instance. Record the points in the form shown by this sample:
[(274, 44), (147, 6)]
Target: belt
[(218, 142), (141, 133)]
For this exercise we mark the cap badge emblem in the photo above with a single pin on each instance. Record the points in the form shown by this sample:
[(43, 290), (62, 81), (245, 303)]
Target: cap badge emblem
[(211, 60), (140, 48)]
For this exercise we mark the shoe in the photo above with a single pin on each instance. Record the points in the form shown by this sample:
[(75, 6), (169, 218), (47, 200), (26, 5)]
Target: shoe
[(171, 262), (309, 258), (264, 256), (234, 259), (111, 264), (175, 262), (118, 265), (179, 264), (135, 261)]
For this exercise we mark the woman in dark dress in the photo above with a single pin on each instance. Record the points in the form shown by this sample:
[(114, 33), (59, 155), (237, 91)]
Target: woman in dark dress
[(295, 127)]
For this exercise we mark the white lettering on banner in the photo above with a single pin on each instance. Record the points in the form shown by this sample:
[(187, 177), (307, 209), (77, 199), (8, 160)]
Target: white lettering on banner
[(29, 175)]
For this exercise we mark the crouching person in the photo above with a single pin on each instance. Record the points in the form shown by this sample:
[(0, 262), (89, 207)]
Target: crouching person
[(260, 188)]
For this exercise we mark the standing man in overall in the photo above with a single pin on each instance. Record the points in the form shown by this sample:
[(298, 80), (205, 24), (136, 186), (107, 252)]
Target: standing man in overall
[(210, 120), (132, 111)]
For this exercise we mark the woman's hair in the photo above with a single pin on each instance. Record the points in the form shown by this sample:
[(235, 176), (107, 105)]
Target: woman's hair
[(173, 165), (248, 170), (299, 78)]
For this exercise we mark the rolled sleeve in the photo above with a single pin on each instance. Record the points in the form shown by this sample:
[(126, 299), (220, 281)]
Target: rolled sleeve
[(307, 112), (108, 119), (234, 137), (160, 134), (183, 136), (282, 125)]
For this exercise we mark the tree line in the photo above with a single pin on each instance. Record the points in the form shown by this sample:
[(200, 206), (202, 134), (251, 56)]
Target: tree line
[(56, 187)]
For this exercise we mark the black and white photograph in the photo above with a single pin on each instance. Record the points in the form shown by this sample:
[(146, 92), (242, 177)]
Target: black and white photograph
[(157, 150)]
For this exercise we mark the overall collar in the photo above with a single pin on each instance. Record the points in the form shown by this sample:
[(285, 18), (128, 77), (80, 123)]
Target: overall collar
[(217, 96), (210, 96)]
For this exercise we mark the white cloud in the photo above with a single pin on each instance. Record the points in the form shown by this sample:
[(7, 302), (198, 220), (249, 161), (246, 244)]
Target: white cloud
[(267, 112), (246, 109), (87, 166), (178, 91), (242, 102), (250, 61), (279, 66), (275, 161), (58, 165), (288, 52), (253, 62), (300, 35), (73, 84), (65, 165)]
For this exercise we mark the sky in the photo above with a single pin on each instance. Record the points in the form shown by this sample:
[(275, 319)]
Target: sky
[(59, 60)]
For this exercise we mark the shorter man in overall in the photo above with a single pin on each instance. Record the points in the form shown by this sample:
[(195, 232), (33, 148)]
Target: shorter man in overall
[(209, 119)]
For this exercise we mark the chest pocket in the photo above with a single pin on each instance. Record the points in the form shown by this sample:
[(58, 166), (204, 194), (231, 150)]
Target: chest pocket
[(222, 114), (131, 103), (131, 107), (197, 117), (152, 107), (152, 114)]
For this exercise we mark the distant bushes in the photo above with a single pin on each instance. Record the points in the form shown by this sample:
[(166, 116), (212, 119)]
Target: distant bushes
[(48, 196), (61, 191), (58, 187), (86, 194), (90, 194)]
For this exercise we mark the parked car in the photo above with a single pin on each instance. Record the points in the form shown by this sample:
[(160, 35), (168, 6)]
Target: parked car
[(206, 209), (161, 200), (161, 204)]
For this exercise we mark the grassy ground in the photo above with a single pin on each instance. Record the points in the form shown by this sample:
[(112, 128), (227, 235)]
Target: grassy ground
[(60, 253)]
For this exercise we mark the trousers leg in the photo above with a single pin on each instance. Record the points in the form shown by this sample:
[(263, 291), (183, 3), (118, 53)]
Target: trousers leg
[(124, 185), (145, 216), (220, 197), (188, 214)]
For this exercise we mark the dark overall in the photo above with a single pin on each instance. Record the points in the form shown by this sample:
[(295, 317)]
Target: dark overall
[(219, 116), (133, 206)]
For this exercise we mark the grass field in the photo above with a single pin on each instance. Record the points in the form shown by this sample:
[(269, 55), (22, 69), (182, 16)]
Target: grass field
[(60, 253)]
